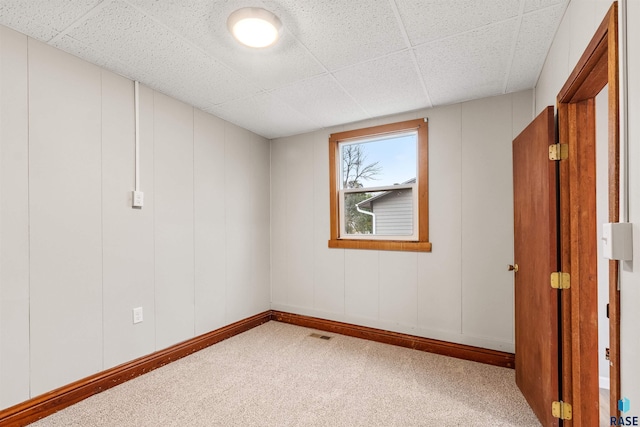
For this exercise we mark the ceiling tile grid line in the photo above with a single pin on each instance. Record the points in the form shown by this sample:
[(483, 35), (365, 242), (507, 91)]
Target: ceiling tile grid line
[(185, 39), (336, 62), (514, 43), (98, 58), (539, 21), (414, 60), (326, 70), (551, 36), (174, 64), (469, 31), (92, 12), (263, 90)]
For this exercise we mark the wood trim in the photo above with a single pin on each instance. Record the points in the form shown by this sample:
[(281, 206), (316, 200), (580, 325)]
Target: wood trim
[(387, 245), (334, 215), (576, 108), (566, 362), (39, 407), (587, 64), (422, 244), (459, 351), (583, 263), (614, 207), (46, 404), (423, 185), (377, 130)]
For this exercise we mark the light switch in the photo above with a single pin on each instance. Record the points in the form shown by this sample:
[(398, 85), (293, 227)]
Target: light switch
[(617, 241)]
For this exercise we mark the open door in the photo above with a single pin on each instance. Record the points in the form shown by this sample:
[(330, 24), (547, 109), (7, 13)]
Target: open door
[(536, 257)]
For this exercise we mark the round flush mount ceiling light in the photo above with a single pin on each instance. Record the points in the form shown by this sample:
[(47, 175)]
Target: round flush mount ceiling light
[(254, 27)]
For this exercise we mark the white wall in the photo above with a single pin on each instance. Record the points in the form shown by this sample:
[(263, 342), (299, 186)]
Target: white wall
[(75, 258), (578, 26), (460, 292)]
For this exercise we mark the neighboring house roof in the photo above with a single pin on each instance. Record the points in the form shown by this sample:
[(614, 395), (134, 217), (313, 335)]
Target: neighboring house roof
[(367, 203)]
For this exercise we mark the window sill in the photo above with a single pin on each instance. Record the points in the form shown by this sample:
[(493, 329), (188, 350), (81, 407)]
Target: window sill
[(381, 245)]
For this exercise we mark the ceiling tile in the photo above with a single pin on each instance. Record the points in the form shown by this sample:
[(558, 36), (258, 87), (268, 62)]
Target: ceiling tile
[(467, 66), (337, 60), (204, 23), (43, 19), (265, 115), (386, 85), (122, 32), (530, 5), (322, 99), (428, 20), (341, 33), (88, 53), (534, 39)]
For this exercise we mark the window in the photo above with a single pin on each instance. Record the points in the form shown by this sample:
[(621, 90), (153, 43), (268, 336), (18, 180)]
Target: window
[(379, 187)]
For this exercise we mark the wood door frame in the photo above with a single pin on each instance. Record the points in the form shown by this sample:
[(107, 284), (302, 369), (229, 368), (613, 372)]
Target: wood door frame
[(597, 67)]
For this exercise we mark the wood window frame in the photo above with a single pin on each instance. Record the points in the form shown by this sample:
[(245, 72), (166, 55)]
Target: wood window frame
[(422, 244)]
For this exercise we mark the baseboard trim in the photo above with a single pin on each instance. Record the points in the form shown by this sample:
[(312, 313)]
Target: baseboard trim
[(41, 406), (46, 404), (460, 351)]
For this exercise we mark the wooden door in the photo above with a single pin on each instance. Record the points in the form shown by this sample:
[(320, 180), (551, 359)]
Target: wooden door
[(536, 255)]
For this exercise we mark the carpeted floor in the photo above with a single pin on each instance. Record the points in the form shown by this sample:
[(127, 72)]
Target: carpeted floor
[(278, 375)]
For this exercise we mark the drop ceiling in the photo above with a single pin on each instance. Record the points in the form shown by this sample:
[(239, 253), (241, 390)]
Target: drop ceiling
[(338, 61)]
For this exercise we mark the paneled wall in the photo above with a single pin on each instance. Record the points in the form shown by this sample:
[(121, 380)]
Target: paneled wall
[(460, 292), (75, 258)]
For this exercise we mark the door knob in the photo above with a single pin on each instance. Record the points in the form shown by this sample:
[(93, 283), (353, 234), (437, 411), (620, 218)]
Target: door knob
[(513, 267)]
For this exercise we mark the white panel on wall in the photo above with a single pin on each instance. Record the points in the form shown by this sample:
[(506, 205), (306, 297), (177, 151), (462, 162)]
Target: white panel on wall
[(487, 219), (209, 205), (242, 209), (328, 263), (398, 273), (581, 16), (174, 240), (279, 192), (259, 168), (300, 213), (362, 284), (127, 233), (522, 111), (14, 217), (556, 68), (439, 272), (65, 214)]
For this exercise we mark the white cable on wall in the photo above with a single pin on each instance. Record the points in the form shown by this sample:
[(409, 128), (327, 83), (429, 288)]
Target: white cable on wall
[(137, 196), (137, 107)]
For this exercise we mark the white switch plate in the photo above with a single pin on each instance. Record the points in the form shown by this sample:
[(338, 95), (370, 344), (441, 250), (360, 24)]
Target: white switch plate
[(617, 241), (138, 199), (137, 315)]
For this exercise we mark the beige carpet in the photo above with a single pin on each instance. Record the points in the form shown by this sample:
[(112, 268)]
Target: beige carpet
[(277, 375)]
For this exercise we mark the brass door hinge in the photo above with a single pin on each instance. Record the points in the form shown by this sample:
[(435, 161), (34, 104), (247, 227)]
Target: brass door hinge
[(560, 280), (558, 151), (561, 410), (607, 354)]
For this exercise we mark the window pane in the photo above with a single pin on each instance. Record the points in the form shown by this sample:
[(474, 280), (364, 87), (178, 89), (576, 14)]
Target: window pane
[(379, 162), (383, 213)]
